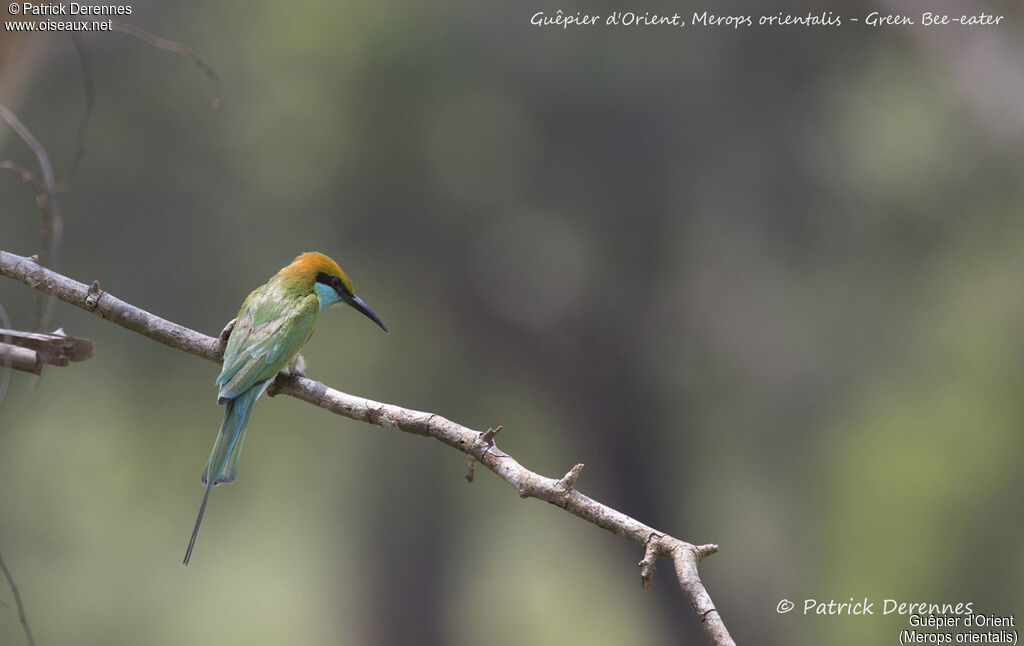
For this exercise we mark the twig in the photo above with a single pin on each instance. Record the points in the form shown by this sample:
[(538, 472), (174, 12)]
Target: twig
[(33, 274), (647, 565), (86, 61), (568, 481), (17, 601), (489, 435), (171, 46), (43, 200), (685, 556), (53, 223), (49, 179)]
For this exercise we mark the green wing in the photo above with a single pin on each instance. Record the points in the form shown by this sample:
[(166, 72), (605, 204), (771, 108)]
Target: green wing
[(270, 329)]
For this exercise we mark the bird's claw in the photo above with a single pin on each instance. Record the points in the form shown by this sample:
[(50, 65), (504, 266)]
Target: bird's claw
[(296, 366), (226, 332)]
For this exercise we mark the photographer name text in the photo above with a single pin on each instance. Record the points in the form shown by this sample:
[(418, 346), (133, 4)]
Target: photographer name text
[(70, 9)]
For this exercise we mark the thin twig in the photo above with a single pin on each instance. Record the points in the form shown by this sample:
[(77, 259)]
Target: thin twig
[(49, 179), (490, 434), (172, 46), (44, 204), (53, 223), (17, 601), (43, 200), (559, 492), (647, 564), (87, 77), (568, 481)]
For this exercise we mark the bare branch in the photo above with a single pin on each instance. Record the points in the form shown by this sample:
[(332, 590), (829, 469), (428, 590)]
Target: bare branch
[(30, 351), (18, 358), (17, 601), (102, 304), (171, 46), (561, 493)]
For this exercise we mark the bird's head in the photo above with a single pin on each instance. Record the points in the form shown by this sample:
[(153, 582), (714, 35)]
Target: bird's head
[(316, 271)]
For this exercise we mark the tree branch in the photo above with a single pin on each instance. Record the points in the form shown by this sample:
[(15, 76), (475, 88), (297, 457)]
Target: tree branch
[(478, 446), (30, 351)]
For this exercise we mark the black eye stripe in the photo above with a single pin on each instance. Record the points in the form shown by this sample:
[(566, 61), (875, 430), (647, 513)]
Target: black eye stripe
[(333, 281)]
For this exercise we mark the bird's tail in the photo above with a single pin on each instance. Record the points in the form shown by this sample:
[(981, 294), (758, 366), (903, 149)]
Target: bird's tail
[(222, 467)]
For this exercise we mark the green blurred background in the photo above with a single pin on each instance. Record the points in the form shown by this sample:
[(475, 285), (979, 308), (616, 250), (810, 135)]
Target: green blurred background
[(766, 284)]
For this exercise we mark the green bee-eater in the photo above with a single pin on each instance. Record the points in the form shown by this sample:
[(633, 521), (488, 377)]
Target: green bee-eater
[(275, 321)]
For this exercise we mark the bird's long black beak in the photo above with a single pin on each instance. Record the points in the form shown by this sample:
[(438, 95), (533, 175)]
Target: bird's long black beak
[(358, 303)]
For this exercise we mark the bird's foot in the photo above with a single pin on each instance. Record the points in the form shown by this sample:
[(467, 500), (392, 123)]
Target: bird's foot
[(296, 366), (226, 332)]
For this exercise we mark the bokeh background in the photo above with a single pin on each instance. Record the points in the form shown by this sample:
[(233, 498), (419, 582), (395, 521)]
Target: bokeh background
[(765, 283)]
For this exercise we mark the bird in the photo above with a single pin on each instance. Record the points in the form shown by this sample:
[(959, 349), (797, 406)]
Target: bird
[(275, 321)]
